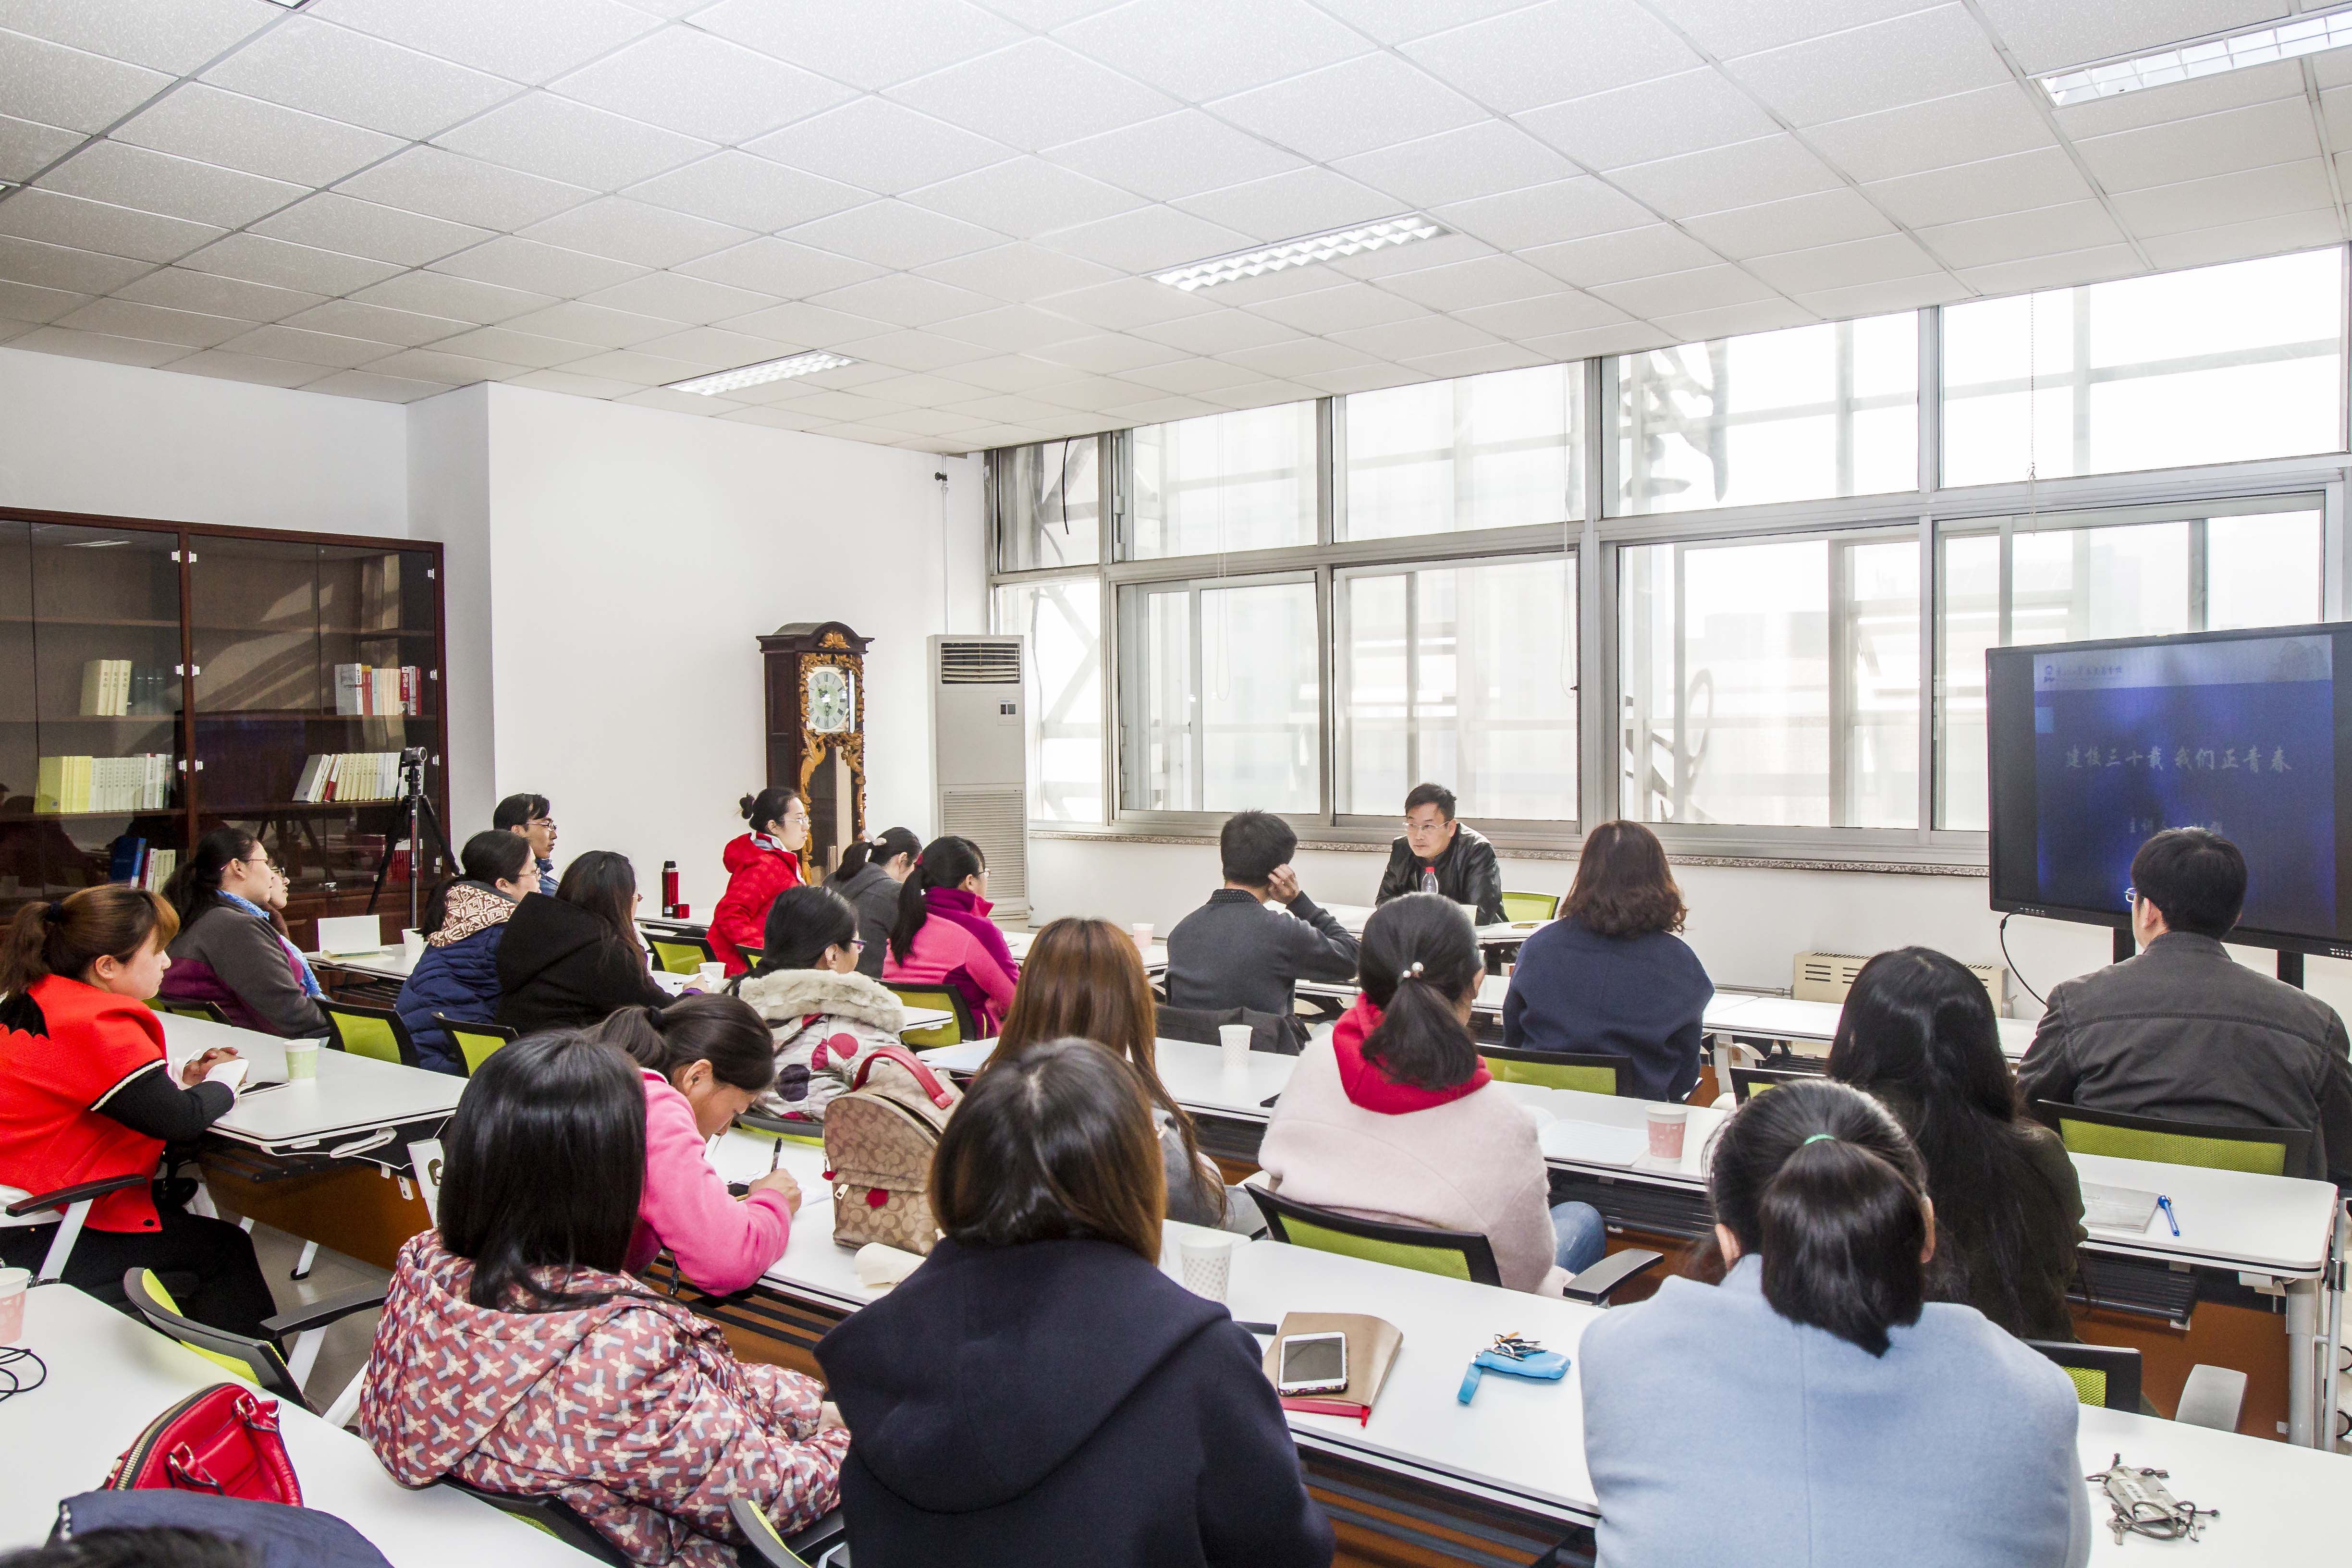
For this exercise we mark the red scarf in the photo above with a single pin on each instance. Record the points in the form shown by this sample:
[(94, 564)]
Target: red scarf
[(1372, 1089)]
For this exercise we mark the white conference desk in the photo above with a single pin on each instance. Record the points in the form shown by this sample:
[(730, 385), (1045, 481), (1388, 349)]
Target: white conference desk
[(1155, 957), (108, 1376), (352, 1097)]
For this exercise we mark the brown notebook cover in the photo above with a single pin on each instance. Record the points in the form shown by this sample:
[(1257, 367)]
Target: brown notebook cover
[(1372, 1345)]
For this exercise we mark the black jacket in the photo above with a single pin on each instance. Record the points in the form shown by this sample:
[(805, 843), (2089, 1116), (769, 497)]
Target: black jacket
[(1467, 873), (2187, 1033), (1235, 952), (561, 967), (1640, 997), (1062, 1402)]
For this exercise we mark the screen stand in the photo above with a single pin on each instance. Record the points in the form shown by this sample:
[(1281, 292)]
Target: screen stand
[(2290, 968), (2125, 946)]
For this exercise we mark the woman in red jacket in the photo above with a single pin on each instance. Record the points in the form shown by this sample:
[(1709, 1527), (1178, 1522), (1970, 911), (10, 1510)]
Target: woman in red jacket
[(760, 865), (85, 1095)]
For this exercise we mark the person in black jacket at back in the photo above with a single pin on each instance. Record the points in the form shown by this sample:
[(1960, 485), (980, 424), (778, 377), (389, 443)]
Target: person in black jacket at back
[(1439, 855), (570, 960), (1038, 1391)]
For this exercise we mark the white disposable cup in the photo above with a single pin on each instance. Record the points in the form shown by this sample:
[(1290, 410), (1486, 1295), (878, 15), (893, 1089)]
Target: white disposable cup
[(1142, 930), (412, 945), (1208, 1263), (1236, 1040), (302, 1059), (13, 1282), (713, 976), (1666, 1125)]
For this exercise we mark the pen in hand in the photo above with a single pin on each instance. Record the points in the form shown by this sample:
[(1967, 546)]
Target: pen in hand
[(2170, 1218)]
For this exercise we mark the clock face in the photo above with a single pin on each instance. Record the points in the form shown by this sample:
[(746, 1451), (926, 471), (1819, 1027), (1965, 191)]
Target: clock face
[(828, 702)]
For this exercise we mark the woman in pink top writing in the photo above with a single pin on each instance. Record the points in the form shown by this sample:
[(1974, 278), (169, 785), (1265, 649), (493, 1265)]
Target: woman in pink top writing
[(943, 935)]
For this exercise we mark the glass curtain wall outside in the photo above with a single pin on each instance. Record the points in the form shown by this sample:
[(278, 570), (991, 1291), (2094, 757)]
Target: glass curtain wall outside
[(2216, 365), (1465, 674), (1244, 480), (1802, 415), (1771, 682), (1223, 697), (1049, 505), (1063, 622), (2110, 580), (1444, 456)]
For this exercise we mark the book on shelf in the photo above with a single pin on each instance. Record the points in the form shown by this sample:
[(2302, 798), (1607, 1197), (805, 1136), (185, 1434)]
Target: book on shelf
[(119, 688), (156, 869), (372, 691), (348, 776), (142, 783)]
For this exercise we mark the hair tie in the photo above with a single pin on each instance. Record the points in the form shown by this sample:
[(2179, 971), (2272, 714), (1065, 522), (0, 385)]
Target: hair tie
[(1414, 972), (54, 914), (1819, 1137)]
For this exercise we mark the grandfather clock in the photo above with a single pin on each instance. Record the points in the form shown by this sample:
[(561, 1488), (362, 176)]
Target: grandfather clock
[(816, 730)]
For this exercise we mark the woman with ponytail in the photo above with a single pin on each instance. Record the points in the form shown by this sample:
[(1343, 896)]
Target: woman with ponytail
[(760, 864), (230, 951), (1929, 1438), (704, 1060), (86, 1094), (870, 875), (1917, 1035), (1395, 1118), (941, 934)]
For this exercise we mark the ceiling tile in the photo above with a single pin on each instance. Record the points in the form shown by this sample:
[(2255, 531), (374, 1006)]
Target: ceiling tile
[(463, 190), (124, 319), (1149, 238), (912, 351), (1190, 376), (1545, 214), (1006, 373), (1035, 94), (332, 221), (1024, 198), (1980, 242), (1877, 259), (154, 182), (1015, 273), (1569, 310), (1766, 169), (2282, 188), (844, 42), (1862, 299), (1685, 112), (755, 193), (581, 146), (1374, 265), (223, 365), (174, 38), (1628, 252), (54, 85), (376, 388), (576, 322), (1734, 320), (876, 145), (1965, 127), (26, 302), (2249, 138), (437, 294), (286, 342), (1702, 289), (1461, 285), (699, 85), (350, 319), (1338, 309), (26, 148), (637, 232), (1092, 392), (97, 345), (675, 297), (1373, 378), (2047, 37), (1561, 50), (904, 299), (509, 346), (782, 270), (894, 234), (1106, 353), (1259, 395), (1009, 407), (1222, 332), (806, 326), (207, 293), (1376, 101), (701, 407), (1284, 206), (56, 219), (1014, 326), (1630, 338), (63, 267), (1481, 159), (1883, 65), (1477, 361), (638, 370), (2041, 178), (919, 420), (1729, 27), (306, 64), (1199, 49), (1175, 156), (450, 370), (1158, 410), (775, 418), (844, 405), (1823, 217), (2255, 236), (517, 263), (1424, 335), (919, 390), (2183, 100), (522, 41), (573, 385), (1125, 304), (238, 133), (2060, 271)]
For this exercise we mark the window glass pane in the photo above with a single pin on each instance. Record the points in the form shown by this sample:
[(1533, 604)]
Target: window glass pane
[(2264, 570), (1800, 414), (1491, 710), (1048, 505), (2215, 366), (1882, 659), (1226, 693), (1970, 623), (1171, 770), (1063, 621), (1243, 480), (1486, 451)]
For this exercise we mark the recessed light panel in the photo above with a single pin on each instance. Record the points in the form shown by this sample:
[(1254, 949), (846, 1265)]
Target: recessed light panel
[(1329, 246), (2210, 57), (744, 376)]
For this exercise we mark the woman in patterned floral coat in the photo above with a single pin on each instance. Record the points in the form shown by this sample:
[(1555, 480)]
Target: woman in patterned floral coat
[(514, 1355)]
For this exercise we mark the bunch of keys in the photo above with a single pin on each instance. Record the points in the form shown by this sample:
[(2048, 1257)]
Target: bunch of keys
[(2144, 1506), (1514, 1356)]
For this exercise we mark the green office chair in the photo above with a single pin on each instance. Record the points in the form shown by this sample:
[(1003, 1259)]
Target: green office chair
[(752, 956), (1553, 1069), (549, 1515), (1456, 1254), (819, 1545), (1531, 906), (2264, 1151), (1748, 1082), (475, 1042), (66, 1208), (678, 953), (259, 1361), (939, 998), (375, 1032), (786, 1129), (208, 1010), (2106, 1376)]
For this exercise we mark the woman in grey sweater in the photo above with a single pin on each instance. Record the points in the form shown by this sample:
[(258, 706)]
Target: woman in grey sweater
[(1874, 1426), (868, 875), (229, 952)]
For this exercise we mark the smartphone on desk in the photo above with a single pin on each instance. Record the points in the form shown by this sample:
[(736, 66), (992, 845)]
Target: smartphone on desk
[(1313, 1364)]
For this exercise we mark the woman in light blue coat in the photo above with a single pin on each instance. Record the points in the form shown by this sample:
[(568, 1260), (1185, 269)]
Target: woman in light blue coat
[(1865, 1425)]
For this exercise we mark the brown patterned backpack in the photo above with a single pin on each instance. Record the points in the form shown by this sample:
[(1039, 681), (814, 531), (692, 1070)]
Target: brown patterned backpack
[(878, 1141)]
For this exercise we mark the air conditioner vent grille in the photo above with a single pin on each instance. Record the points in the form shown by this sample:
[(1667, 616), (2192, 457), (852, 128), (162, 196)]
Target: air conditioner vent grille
[(980, 663)]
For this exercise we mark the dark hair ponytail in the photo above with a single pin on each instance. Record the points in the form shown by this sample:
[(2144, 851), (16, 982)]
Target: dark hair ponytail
[(1420, 957), (1818, 1182), (67, 938), (768, 806), (880, 849), (195, 886), (721, 1030), (945, 861), (801, 924)]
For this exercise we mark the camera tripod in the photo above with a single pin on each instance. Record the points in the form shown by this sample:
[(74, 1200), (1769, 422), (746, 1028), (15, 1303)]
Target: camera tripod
[(420, 812)]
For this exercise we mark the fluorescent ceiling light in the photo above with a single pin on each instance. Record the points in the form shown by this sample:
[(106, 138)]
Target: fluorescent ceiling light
[(1329, 246), (2210, 56), (767, 370)]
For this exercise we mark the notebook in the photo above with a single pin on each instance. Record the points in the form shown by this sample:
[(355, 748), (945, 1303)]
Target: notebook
[(1593, 1142), (2117, 1208), (1372, 1345)]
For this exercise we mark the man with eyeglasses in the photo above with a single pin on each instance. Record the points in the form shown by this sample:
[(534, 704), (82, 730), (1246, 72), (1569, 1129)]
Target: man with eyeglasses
[(1439, 855), (530, 815)]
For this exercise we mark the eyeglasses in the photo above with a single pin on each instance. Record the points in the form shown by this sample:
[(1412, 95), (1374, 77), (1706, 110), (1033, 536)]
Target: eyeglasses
[(2131, 895), (853, 941), (265, 863)]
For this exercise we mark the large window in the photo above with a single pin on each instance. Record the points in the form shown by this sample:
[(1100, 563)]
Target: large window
[(2217, 365), (1048, 504), (1062, 618), (1232, 482), (1223, 692), (1445, 457)]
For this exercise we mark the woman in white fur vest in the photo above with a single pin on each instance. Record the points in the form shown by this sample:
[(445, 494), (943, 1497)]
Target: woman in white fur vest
[(825, 1016)]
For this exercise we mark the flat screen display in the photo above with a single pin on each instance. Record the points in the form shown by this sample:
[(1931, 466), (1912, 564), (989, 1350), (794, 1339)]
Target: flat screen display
[(2097, 745)]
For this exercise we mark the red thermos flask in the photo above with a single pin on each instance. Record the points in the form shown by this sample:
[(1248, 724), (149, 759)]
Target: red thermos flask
[(669, 889)]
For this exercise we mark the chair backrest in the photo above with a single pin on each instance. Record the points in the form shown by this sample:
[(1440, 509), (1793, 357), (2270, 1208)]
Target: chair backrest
[(813, 1547), (760, 1124), (1269, 1032), (2103, 1375), (475, 1042), (256, 1361), (752, 955), (374, 1032), (1746, 1081), (1553, 1069), (207, 1010), (1456, 1254), (679, 954), (2264, 1151), (550, 1514), (939, 998), (1531, 906)]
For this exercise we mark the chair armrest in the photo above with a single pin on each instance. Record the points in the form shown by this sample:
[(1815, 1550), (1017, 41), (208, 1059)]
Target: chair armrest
[(319, 1314), (74, 1195), (1595, 1283), (815, 1541), (768, 1548)]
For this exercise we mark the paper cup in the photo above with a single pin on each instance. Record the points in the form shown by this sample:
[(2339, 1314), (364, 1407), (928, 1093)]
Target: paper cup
[(302, 1059), (1208, 1263), (1234, 1039), (1666, 1124), (713, 976), (1142, 930), (13, 1282), (412, 946)]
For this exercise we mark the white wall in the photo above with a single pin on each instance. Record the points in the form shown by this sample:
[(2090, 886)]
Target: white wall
[(449, 499), (79, 435)]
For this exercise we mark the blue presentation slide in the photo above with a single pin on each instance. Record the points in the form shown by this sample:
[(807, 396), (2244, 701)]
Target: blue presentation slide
[(2237, 737)]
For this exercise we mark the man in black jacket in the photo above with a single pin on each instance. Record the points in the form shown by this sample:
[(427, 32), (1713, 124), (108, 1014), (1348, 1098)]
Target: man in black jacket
[(1439, 855), (2184, 1032), (1235, 950)]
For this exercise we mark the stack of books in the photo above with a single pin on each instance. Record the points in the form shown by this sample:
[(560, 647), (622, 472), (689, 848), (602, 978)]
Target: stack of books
[(115, 687), (142, 783), (372, 691), (349, 776), (133, 862)]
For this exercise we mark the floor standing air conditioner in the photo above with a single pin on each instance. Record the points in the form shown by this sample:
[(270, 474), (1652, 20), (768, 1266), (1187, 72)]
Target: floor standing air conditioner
[(980, 755)]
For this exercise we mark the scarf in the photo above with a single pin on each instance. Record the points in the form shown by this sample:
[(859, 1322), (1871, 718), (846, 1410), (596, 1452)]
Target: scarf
[(301, 964)]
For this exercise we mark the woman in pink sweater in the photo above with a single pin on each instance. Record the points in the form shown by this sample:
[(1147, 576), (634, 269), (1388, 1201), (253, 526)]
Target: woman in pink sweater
[(943, 935), (704, 1060), (1395, 1117)]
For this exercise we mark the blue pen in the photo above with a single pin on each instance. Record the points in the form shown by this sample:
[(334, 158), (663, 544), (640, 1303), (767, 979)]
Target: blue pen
[(2169, 1217)]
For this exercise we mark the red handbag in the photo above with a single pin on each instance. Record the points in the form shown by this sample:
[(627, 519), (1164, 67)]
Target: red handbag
[(223, 1440)]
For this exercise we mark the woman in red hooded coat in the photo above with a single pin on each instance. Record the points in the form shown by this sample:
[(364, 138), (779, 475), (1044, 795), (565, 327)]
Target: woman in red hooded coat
[(760, 865)]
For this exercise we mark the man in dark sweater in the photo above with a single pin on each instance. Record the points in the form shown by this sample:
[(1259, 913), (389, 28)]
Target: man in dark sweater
[(1235, 952), (1439, 855)]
